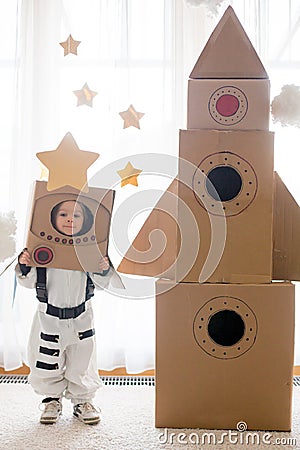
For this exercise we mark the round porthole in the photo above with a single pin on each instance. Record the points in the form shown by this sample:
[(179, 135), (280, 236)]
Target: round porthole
[(43, 255), (225, 327), (228, 105), (225, 180)]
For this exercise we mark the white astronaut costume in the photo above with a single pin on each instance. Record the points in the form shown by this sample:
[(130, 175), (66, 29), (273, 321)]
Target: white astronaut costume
[(62, 352)]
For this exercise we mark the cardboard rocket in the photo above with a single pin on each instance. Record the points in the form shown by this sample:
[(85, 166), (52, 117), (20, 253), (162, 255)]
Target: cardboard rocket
[(48, 246), (224, 329), (237, 156)]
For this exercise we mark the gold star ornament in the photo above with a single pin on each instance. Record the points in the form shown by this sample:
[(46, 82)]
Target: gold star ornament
[(131, 117), (129, 175), (85, 96), (70, 46), (67, 165)]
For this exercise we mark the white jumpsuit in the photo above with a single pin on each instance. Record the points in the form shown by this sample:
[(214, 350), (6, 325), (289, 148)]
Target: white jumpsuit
[(62, 352)]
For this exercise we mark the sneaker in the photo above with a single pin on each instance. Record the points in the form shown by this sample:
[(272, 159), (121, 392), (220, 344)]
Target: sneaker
[(51, 412), (87, 413)]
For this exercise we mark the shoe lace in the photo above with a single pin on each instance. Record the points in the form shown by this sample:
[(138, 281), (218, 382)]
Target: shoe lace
[(50, 407), (86, 407)]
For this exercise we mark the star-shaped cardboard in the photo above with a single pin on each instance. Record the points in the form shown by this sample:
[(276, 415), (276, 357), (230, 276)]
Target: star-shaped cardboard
[(67, 165), (70, 46), (85, 96), (129, 175), (131, 117)]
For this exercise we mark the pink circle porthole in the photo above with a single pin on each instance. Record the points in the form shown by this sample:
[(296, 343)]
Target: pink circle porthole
[(228, 105)]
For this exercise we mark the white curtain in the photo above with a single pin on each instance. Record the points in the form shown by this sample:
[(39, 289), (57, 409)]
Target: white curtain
[(131, 52), (136, 52), (274, 29)]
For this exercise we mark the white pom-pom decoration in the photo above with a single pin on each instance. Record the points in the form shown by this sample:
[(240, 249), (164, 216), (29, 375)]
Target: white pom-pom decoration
[(285, 107), (8, 226), (211, 5)]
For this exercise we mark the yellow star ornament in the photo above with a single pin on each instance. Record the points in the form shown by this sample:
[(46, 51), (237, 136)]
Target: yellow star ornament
[(67, 165), (131, 117), (129, 175), (70, 46), (85, 96)]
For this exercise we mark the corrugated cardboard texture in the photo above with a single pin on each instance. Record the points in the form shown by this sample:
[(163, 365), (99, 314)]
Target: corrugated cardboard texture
[(163, 218), (248, 226), (246, 104), (195, 389), (247, 255), (286, 239), (228, 53), (67, 165), (82, 252)]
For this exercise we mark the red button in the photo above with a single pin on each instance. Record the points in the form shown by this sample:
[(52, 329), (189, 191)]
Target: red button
[(227, 105), (43, 255)]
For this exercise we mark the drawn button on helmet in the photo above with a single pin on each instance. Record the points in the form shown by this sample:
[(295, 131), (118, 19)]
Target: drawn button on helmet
[(43, 255)]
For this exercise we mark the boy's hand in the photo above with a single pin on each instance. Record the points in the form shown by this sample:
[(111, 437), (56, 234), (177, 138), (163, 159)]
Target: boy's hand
[(24, 257), (104, 264)]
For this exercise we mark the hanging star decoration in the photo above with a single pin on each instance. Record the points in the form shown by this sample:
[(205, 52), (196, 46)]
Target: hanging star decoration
[(67, 165), (70, 46), (131, 117), (129, 175), (85, 96)]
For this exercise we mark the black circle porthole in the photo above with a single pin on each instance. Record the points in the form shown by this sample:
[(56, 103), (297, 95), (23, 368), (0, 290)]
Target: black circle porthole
[(228, 105), (225, 327), (224, 183)]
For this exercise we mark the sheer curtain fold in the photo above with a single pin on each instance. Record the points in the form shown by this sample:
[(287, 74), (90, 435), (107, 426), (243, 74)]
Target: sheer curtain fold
[(130, 52), (136, 52)]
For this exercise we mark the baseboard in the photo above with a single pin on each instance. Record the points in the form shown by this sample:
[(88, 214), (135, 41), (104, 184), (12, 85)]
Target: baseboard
[(121, 371), (24, 370), (296, 370)]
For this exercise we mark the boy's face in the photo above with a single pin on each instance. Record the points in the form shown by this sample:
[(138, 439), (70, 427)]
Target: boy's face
[(69, 218)]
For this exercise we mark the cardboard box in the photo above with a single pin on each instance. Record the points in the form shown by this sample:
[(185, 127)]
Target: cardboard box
[(286, 239), (209, 243), (239, 221), (229, 53), (50, 248), (228, 104), (224, 354)]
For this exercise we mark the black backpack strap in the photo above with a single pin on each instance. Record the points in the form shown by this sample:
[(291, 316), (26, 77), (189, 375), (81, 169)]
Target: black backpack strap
[(41, 288), (90, 287)]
